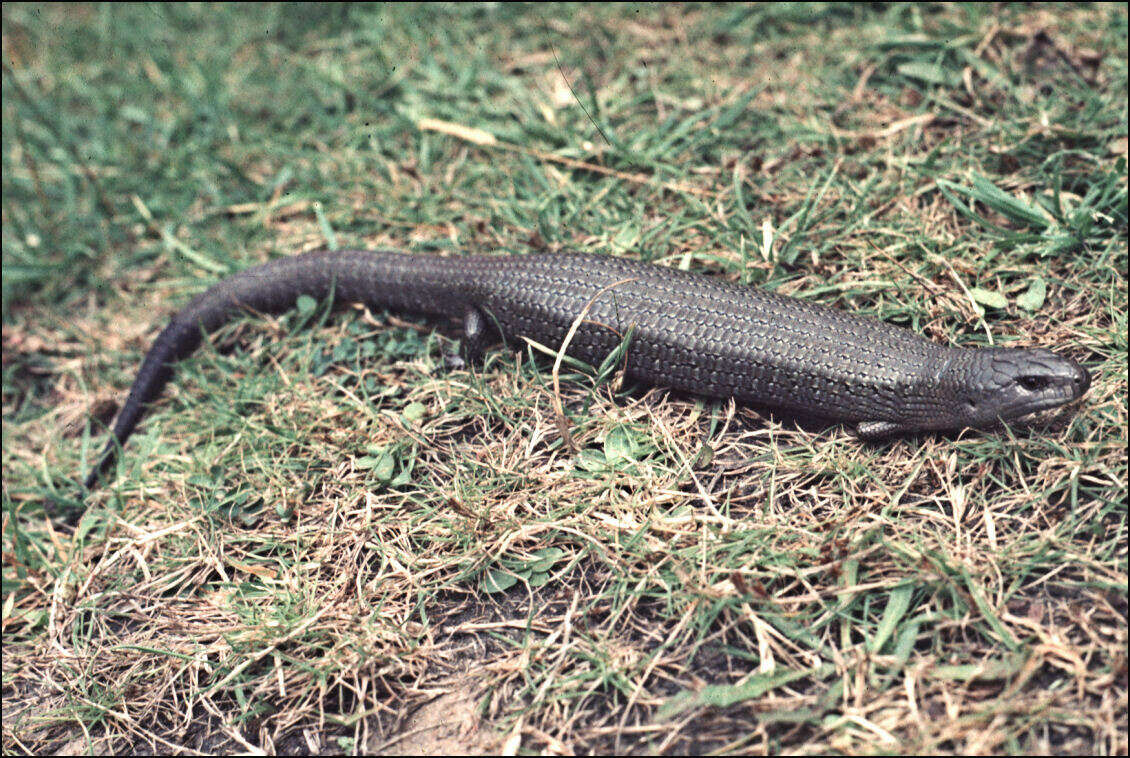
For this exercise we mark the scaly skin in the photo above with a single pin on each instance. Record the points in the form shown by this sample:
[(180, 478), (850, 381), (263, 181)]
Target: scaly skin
[(688, 331)]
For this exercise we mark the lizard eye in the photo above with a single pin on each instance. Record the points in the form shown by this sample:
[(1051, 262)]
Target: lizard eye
[(1033, 383)]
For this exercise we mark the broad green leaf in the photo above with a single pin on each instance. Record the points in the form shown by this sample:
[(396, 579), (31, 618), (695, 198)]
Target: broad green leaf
[(989, 614), (723, 695), (538, 578), (992, 669), (704, 457), (591, 460), (626, 238), (497, 580), (413, 412), (897, 604), (548, 557), (905, 642), (930, 73), (988, 298), (306, 304), (382, 465), (988, 194), (1033, 299), (1013, 207), (618, 445)]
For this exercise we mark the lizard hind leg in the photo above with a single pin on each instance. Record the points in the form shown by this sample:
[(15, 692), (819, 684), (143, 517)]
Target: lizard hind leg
[(873, 431)]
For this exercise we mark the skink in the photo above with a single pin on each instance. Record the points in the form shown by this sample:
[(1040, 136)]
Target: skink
[(687, 331)]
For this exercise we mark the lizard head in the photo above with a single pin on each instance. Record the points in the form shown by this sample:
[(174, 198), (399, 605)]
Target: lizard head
[(1007, 384)]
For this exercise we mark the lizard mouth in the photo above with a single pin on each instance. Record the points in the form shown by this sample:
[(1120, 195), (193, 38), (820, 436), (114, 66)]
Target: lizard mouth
[(1054, 415)]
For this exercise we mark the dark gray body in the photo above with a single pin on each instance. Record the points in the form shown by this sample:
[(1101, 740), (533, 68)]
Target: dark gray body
[(689, 332)]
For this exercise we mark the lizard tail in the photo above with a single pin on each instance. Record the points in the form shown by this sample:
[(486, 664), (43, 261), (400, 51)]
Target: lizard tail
[(378, 278)]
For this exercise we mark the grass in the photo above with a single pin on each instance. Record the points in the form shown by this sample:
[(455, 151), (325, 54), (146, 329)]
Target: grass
[(321, 540)]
